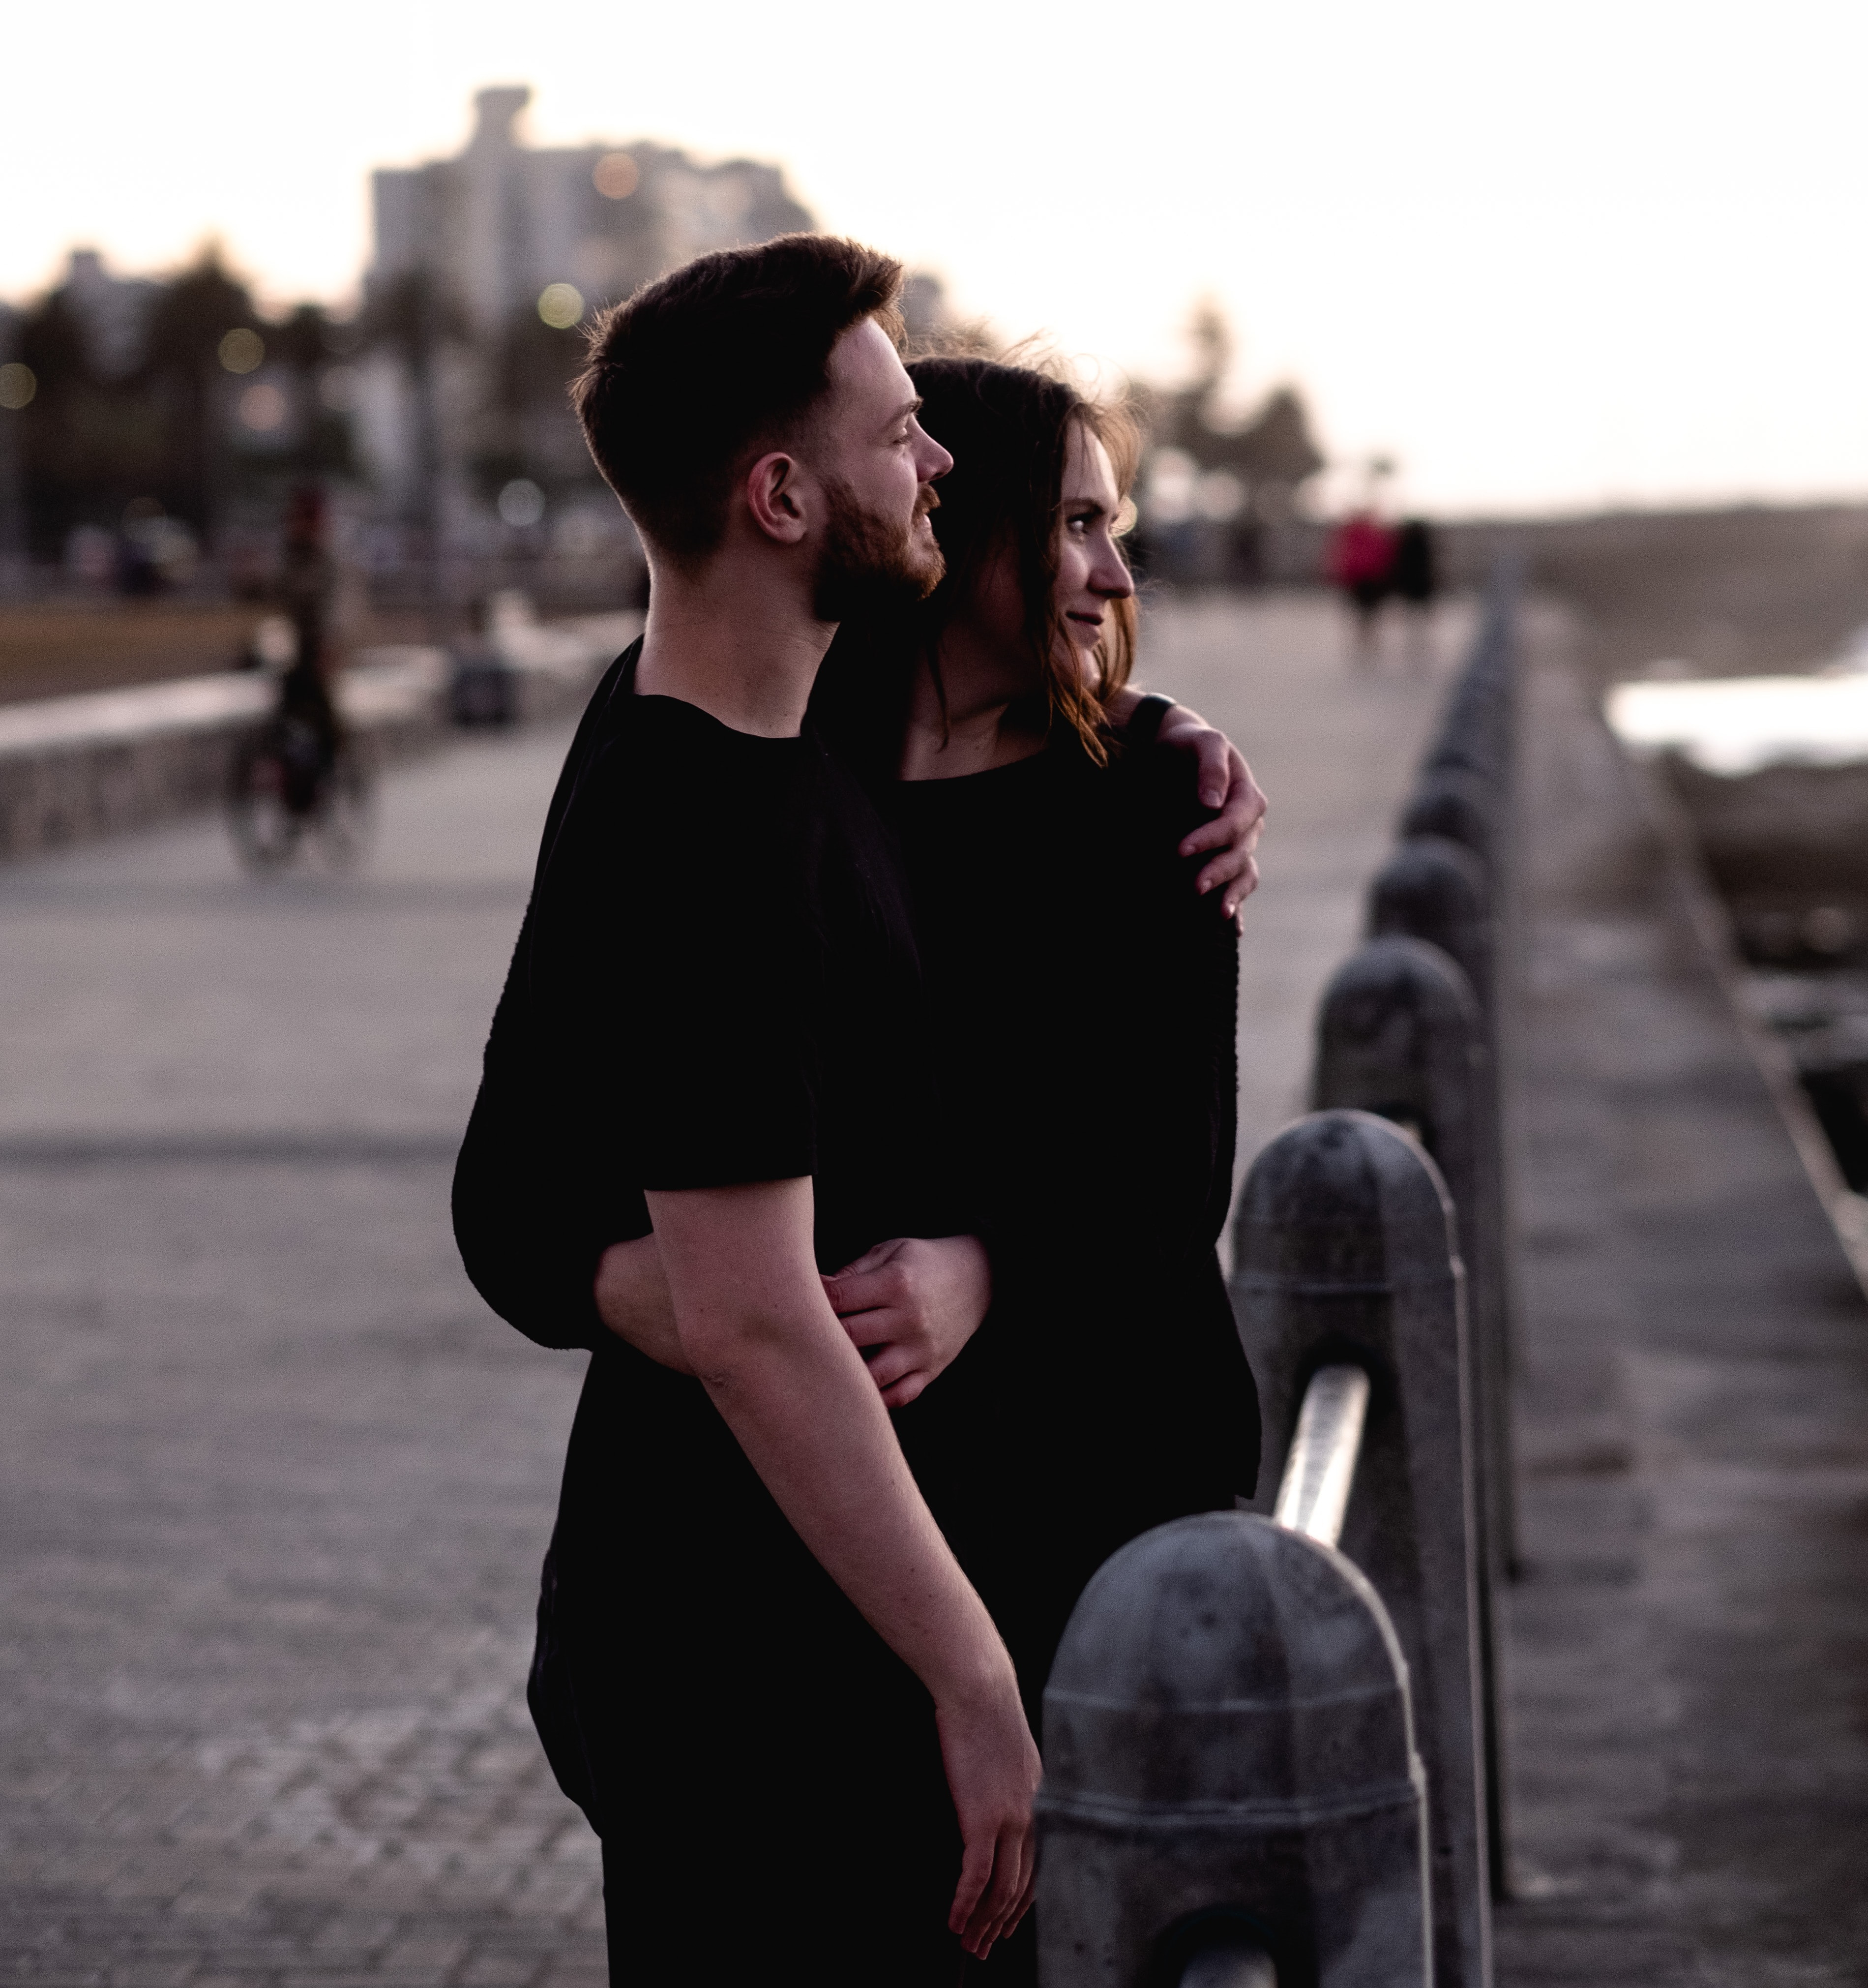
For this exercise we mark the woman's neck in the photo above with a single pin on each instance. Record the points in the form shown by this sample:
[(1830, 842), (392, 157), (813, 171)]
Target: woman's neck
[(983, 723)]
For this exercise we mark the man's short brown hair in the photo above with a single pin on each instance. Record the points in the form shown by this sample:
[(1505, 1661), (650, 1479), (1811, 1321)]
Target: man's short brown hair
[(705, 367)]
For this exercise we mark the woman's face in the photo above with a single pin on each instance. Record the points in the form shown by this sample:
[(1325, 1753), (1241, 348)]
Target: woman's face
[(1091, 571)]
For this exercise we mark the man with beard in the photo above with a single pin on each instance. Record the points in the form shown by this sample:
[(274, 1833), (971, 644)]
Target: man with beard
[(759, 1668)]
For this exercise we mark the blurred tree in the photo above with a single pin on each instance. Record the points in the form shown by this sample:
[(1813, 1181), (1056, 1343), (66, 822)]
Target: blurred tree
[(413, 315), (309, 343), (524, 426), (184, 378), (1211, 336), (1272, 453), (149, 423)]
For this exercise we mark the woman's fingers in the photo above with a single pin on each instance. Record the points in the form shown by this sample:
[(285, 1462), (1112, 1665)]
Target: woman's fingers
[(856, 1290), (891, 1364), (874, 1257)]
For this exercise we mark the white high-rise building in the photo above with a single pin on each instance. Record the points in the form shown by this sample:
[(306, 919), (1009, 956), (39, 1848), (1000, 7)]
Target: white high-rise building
[(485, 263)]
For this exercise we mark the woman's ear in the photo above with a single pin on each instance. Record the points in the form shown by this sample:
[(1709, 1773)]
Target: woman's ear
[(774, 489)]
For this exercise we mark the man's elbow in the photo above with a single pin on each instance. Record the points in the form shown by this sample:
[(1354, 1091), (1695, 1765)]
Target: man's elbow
[(725, 1349)]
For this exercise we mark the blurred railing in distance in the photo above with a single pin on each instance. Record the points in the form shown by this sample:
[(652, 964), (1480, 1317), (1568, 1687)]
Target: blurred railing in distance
[(1416, 1026), (1273, 1741)]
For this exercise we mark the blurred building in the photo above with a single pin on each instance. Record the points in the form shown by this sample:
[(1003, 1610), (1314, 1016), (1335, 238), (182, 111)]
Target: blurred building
[(486, 267), (113, 313)]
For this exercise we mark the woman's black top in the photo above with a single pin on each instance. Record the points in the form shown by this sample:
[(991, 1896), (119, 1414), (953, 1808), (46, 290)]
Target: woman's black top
[(1087, 999)]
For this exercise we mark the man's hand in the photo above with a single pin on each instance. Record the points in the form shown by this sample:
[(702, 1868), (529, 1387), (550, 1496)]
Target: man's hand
[(910, 1305), (1225, 782), (993, 1770)]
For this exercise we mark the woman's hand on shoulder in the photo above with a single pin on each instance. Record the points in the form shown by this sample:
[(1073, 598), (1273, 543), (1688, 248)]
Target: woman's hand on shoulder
[(910, 1305), (1223, 782)]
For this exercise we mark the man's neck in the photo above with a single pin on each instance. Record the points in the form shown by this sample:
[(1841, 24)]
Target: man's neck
[(746, 651)]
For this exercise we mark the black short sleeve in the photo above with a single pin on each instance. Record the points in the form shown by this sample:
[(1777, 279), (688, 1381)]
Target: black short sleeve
[(674, 972), (716, 983)]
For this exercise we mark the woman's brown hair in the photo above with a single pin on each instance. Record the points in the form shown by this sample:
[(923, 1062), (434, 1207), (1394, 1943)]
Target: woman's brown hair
[(1009, 429)]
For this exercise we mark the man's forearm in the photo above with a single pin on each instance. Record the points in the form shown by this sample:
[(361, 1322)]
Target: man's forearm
[(758, 1327), (758, 1331)]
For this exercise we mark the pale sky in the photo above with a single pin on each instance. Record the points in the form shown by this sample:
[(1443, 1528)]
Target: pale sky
[(1614, 251)]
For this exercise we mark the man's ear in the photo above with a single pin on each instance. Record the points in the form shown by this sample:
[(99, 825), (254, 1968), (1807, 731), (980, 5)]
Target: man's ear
[(776, 495)]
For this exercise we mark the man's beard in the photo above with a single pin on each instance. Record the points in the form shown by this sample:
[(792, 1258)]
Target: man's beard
[(870, 565)]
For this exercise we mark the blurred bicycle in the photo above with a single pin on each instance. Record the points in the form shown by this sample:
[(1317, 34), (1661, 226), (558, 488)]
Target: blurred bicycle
[(295, 783), (301, 778)]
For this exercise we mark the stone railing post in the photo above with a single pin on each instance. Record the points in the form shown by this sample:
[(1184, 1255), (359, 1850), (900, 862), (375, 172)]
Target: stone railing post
[(1343, 1253), (1400, 1034), (1231, 1793)]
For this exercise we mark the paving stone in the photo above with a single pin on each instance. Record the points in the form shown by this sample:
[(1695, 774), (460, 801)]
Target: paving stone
[(277, 1486)]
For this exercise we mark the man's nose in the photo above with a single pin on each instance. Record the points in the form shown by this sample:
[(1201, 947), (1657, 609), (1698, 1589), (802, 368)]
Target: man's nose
[(935, 461)]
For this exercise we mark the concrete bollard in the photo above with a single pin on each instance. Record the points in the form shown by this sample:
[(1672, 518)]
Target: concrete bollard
[(1399, 1033), (1343, 1251), (1475, 733), (1456, 805), (1229, 1764), (1436, 890)]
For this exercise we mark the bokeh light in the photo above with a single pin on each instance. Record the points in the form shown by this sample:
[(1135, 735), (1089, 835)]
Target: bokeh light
[(522, 502), (617, 176), (262, 407), (17, 384), (561, 305), (242, 350), (341, 389)]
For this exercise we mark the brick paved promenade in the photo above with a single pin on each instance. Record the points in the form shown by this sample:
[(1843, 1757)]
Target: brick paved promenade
[(275, 1484)]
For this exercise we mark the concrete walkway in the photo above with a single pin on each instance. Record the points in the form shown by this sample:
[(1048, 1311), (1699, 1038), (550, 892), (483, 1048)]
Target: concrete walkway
[(276, 1485), (1335, 749), (1691, 1643)]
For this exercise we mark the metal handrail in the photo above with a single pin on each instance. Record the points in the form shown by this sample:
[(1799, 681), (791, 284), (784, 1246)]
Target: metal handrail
[(1321, 1467), (1238, 1963)]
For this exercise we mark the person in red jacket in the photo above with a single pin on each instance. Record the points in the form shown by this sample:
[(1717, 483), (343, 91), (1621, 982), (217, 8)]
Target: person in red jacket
[(1362, 564)]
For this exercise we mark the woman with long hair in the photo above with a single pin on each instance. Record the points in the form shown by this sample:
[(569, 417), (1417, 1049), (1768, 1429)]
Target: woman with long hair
[(1090, 1012)]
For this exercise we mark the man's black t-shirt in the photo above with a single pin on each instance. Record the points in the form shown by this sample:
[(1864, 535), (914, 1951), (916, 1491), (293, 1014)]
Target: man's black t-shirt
[(716, 982)]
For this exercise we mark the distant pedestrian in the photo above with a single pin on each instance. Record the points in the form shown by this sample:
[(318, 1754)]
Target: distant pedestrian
[(1417, 584), (1361, 563), (307, 588)]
